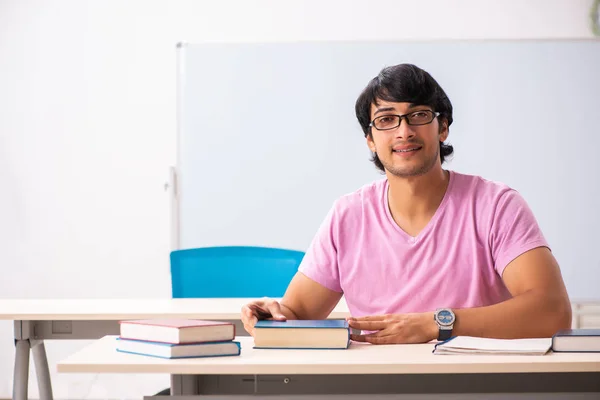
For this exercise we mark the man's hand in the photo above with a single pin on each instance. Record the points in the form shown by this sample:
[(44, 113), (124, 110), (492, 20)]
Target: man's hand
[(395, 328), (303, 299), (261, 309)]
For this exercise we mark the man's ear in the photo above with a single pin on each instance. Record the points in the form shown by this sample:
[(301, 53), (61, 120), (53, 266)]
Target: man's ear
[(444, 131), (370, 143)]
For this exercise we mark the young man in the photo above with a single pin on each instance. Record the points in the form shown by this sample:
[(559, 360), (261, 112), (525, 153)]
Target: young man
[(425, 253)]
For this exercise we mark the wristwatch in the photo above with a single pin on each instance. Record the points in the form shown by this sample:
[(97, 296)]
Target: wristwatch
[(444, 318)]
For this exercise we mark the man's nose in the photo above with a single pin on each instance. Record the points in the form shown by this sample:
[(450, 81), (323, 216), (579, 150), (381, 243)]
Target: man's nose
[(404, 131)]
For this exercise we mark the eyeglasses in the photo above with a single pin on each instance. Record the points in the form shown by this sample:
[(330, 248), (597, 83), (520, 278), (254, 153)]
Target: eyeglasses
[(391, 121)]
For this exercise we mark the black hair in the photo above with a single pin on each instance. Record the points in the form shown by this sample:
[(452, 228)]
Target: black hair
[(404, 83)]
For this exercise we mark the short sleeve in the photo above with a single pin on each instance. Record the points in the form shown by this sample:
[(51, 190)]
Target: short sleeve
[(514, 230), (320, 261)]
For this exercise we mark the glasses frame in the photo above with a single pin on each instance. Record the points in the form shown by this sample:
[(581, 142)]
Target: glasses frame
[(404, 117)]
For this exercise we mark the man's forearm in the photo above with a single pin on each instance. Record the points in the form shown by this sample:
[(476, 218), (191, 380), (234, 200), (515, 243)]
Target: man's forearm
[(530, 314), (288, 312)]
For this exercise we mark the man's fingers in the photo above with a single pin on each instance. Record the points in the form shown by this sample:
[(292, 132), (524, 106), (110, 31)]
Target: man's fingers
[(259, 311), (275, 311), (370, 318), (368, 325), (364, 337), (374, 338), (264, 309), (249, 329), (249, 322), (358, 338), (247, 311), (378, 339)]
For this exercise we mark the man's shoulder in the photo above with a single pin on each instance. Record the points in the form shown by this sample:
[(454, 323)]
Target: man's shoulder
[(482, 201), (368, 194), (479, 188)]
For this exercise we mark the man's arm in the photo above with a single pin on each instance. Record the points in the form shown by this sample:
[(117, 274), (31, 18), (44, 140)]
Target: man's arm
[(540, 305), (307, 299), (303, 299)]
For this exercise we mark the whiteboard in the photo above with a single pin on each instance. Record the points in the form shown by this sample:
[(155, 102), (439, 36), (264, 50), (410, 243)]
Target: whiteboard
[(268, 138)]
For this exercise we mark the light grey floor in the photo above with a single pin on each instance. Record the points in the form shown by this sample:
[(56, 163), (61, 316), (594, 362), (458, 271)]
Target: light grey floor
[(473, 396)]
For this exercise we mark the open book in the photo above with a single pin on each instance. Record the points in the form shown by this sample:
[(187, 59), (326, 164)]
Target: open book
[(477, 345)]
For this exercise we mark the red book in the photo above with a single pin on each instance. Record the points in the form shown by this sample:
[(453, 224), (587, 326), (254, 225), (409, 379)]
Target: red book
[(177, 331)]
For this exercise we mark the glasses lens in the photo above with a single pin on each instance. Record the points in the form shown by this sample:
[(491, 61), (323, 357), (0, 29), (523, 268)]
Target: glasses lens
[(386, 122), (420, 117)]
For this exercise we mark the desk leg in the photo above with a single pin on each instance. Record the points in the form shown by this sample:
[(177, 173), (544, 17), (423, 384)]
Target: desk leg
[(41, 369), (21, 374), (182, 385), (25, 342)]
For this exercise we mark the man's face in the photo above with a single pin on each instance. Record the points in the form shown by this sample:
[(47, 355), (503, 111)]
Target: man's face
[(406, 150)]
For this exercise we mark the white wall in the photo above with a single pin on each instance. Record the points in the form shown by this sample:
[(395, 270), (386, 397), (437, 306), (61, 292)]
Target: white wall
[(87, 130)]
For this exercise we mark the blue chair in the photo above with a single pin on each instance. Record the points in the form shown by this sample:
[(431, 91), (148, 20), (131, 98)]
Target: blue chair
[(232, 271)]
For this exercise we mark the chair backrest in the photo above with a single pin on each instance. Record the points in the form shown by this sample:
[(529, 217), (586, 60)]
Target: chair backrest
[(232, 271)]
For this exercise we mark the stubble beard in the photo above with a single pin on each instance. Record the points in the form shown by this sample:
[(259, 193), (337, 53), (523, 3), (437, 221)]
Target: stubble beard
[(417, 170)]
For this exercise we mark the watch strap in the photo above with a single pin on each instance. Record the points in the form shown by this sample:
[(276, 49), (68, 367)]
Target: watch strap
[(444, 334)]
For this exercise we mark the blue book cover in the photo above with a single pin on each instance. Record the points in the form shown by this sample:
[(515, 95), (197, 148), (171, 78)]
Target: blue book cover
[(578, 332), (302, 334), (299, 323)]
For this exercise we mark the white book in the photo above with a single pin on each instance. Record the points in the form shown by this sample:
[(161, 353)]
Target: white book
[(576, 340), (177, 331), (478, 345)]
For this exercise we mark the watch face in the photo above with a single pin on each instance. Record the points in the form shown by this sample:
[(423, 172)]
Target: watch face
[(445, 317)]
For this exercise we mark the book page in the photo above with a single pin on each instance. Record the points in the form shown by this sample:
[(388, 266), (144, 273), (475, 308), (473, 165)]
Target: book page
[(498, 345)]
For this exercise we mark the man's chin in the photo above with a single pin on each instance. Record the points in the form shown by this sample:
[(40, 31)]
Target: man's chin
[(408, 171)]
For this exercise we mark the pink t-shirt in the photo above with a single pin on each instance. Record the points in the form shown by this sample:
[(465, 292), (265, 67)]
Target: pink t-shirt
[(456, 261)]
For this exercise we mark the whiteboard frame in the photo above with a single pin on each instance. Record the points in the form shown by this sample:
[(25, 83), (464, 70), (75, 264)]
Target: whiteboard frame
[(174, 170)]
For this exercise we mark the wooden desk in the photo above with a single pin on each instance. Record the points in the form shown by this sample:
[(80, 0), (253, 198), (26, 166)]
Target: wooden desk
[(363, 368), (36, 320), (119, 309)]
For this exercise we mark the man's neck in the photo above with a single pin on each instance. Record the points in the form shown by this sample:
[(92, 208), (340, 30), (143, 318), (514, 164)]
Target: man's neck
[(415, 199)]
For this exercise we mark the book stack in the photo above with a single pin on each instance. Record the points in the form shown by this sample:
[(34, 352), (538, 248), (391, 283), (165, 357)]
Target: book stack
[(178, 338)]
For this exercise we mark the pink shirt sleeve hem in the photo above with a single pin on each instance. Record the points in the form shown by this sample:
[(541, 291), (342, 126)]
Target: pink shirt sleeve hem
[(509, 256), (310, 274)]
